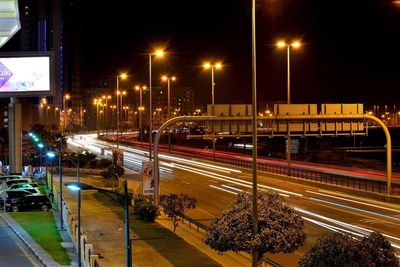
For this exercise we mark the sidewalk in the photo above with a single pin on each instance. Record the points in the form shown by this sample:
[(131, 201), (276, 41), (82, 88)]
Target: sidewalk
[(105, 230), (42, 256)]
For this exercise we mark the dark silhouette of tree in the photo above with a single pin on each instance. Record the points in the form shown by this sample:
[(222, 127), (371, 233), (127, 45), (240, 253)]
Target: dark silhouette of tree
[(280, 226), (174, 205), (342, 250)]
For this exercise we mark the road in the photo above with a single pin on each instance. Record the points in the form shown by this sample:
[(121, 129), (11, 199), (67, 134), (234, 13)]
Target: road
[(13, 252), (215, 187)]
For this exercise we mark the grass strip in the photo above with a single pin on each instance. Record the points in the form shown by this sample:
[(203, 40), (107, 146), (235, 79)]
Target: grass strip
[(42, 227)]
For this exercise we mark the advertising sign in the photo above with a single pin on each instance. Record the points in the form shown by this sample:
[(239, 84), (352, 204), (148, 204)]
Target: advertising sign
[(29, 75), (148, 178), (118, 157)]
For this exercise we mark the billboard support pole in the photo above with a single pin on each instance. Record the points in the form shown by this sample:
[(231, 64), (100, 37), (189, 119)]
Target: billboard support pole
[(14, 133)]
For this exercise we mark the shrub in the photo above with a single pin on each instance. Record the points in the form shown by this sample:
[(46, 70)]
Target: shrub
[(147, 211), (93, 163), (104, 163)]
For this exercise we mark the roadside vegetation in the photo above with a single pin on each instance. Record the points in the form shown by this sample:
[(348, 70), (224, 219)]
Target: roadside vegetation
[(42, 227)]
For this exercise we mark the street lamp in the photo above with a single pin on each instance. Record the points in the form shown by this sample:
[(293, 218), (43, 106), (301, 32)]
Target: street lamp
[(158, 53), (106, 97), (97, 102), (295, 44), (51, 155), (66, 97), (212, 67), (122, 76), (78, 177), (254, 252), (141, 108), (169, 79), (78, 186)]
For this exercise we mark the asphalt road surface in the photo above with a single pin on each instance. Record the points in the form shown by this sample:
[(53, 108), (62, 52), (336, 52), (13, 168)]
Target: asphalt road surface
[(215, 186), (12, 251)]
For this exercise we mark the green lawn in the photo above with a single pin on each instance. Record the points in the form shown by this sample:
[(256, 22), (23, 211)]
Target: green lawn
[(42, 227), (176, 250)]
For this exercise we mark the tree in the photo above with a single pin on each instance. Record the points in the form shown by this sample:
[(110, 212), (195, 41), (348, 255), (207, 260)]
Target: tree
[(174, 205), (342, 250), (280, 226), (378, 250), (335, 249)]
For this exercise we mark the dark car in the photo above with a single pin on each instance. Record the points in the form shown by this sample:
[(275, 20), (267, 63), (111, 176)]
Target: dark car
[(13, 194), (29, 202)]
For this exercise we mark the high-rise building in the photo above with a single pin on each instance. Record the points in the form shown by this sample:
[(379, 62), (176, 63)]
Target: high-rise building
[(51, 26)]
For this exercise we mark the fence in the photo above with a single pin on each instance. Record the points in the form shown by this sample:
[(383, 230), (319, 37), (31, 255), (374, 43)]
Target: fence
[(88, 257)]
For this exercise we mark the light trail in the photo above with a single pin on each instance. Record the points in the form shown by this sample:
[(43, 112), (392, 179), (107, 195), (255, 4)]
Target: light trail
[(358, 202), (353, 208), (222, 189), (231, 179)]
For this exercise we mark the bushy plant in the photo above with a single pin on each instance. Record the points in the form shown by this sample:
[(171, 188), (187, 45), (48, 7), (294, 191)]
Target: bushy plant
[(338, 249), (104, 163), (147, 211)]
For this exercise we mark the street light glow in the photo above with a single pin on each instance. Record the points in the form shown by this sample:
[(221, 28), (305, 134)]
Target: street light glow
[(218, 65), (123, 76), (164, 78), (173, 78), (74, 187), (296, 44), (51, 154), (281, 44), (159, 53), (67, 96), (207, 65)]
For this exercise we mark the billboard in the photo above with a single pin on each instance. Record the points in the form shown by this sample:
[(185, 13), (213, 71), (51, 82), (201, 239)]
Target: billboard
[(26, 74), (148, 178), (118, 157)]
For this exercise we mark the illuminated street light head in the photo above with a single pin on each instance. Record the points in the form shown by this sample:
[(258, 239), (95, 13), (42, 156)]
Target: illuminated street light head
[(67, 96), (281, 44), (218, 65), (164, 78), (123, 76), (137, 87), (159, 53), (207, 65), (296, 44), (173, 78)]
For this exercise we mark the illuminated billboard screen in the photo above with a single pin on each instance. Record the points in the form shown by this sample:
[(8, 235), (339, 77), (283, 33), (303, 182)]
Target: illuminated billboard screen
[(25, 75)]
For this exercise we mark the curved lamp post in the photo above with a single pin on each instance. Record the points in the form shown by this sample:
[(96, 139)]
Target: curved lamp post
[(77, 186)]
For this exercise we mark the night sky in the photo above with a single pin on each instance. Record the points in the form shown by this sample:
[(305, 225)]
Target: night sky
[(351, 50)]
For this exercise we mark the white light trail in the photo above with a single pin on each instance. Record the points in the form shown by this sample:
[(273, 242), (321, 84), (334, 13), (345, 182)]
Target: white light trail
[(225, 190), (354, 201)]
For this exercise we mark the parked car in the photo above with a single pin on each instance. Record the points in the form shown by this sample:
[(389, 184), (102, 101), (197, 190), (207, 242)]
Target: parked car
[(13, 194), (6, 177), (29, 202), (10, 182), (26, 186)]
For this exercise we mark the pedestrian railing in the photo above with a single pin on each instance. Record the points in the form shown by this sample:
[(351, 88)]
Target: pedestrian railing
[(89, 258)]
